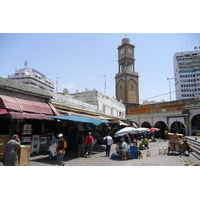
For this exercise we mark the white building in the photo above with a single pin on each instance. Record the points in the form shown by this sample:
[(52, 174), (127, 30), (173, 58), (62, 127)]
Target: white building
[(90, 102), (187, 74), (32, 77)]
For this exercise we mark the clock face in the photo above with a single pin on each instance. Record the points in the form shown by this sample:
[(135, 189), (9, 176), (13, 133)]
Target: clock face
[(130, 51), (121, 51)]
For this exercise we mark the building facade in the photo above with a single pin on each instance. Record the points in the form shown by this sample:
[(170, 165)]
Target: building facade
[(127, 89), (32, 77), (101, 104), (187, 74), (181, 116)]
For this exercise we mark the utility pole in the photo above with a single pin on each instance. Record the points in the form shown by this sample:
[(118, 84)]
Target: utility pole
[(168, 79), (104, 83), (57, 83)]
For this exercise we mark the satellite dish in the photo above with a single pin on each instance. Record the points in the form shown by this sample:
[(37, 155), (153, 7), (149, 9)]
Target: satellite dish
[(66, 91), (77, 91), (86, 89), (197, 97), (94, 89)]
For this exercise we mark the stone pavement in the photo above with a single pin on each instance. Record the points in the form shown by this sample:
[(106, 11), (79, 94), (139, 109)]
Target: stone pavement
[(98, 158)]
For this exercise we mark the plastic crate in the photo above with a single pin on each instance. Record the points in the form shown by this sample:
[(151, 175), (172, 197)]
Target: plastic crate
[(133, 149)]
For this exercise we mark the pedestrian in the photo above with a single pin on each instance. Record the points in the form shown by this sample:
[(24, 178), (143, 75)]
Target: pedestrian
[(11, 157), (61, 145), (166, 135), (52, 146), (80, 143), (89, 143), (108, 142)]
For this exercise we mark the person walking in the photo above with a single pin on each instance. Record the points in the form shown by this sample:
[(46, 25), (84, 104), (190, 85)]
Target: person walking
[(52, 146), (11, 157), (80, 143), (89, 143), (108, 142), (61, 145)]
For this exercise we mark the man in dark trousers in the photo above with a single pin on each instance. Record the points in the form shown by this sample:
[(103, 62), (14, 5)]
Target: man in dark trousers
[(108, 142), (61, 145)]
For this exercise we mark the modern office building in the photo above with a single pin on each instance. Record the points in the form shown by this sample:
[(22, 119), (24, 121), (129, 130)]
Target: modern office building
[(187, 74), (32, 77)]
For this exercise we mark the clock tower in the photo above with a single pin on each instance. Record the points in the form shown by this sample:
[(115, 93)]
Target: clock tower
[(127, 79)]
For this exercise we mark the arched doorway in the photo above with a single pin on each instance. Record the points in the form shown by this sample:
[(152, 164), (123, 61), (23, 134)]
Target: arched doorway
[(146, 125), (177, 127), (162, 126), (195, 124)]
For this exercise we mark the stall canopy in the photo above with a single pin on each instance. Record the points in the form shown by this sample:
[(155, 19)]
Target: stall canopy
[(23, 108), (80, 119), (130, 130)]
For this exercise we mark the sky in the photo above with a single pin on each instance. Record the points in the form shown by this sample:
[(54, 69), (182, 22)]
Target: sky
[(89, 60)]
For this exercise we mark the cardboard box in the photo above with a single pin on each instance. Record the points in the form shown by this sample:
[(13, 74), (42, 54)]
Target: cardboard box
[(24, 154)]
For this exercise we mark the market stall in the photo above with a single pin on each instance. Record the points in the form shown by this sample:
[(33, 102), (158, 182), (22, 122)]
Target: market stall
[(127, 132)]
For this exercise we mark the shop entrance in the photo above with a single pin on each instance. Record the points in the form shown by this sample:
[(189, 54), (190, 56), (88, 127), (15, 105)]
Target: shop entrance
[(146, 125), (162, 126), (195, 124), (177, 127)]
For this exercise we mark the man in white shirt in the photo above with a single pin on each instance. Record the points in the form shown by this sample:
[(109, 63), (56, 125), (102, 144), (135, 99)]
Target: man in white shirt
[(123, 147), (108, 142)]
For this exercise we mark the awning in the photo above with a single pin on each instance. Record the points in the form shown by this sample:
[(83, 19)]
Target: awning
[(22, 108), (78, 119), (69, 113), (16, 115), (123, 123)]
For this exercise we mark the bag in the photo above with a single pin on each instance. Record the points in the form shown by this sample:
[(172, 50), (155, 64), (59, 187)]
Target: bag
[(137, 153), (105, 141)]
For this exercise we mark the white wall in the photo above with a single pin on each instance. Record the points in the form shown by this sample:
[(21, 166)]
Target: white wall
[(93, 101)]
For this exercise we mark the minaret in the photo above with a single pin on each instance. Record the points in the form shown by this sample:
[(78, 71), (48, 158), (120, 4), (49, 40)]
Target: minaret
[(127, 79)]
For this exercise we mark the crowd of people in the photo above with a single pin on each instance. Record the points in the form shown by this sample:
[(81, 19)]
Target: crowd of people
[(58, 145), (85, 144)]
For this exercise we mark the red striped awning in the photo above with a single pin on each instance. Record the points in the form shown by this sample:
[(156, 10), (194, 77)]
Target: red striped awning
[(23, 108), (3, 111), (16, 115)]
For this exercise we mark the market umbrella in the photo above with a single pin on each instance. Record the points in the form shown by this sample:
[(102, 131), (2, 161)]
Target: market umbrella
[(154, 129), (132, 130)]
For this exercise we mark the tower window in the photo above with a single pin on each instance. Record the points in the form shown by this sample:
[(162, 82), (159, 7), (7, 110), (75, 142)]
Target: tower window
[(120, 86)]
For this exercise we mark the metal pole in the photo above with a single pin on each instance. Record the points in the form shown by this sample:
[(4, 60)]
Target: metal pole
[(170, 90), (104, 83), (57, 83), (168, 79)]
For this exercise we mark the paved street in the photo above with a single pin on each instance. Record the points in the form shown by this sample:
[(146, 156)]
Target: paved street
[(98, 158)]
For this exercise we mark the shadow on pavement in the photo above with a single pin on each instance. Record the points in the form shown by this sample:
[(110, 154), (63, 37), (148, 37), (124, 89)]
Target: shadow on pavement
[(70, 155)]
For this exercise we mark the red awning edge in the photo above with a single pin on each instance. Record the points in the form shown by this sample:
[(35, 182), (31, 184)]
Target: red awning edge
[(3, 111), (16, 115)]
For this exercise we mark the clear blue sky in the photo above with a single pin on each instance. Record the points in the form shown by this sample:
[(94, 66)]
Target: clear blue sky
[(79, 59)]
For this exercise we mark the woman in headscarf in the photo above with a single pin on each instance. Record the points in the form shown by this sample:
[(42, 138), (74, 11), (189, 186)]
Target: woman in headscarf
[(11, 157)]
